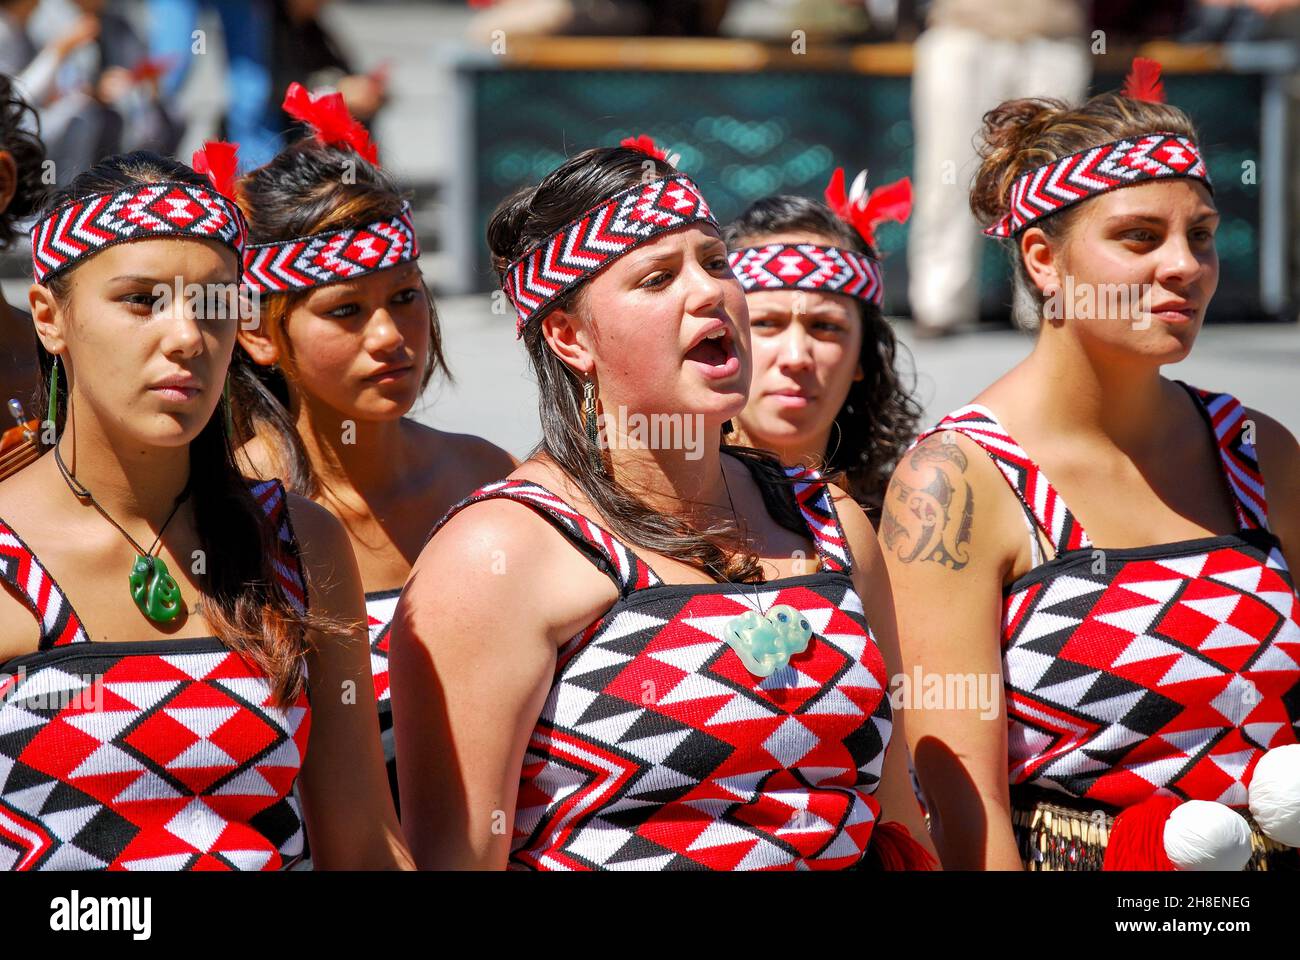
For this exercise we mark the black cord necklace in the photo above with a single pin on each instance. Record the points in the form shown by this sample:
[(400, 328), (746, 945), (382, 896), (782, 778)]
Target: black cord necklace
[(153, 588), (764, 641)]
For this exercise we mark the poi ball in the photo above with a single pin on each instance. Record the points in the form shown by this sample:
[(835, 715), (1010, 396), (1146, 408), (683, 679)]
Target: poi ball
[(1274, 794), (1205, 835)]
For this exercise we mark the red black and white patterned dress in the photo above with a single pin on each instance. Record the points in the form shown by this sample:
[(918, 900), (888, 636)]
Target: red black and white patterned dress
[(148, 755), (380, 605), (657, 750), (1167, 669)]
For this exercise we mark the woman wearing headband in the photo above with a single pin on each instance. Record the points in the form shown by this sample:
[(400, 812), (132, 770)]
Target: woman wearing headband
[(183, 636), (643, 650), (1148, 644), (825, 390), (347, 341)]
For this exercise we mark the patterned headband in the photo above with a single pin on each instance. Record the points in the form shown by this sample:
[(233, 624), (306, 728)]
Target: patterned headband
[(83, 227), (579, 250), (808, 266), (334, 255), (1121, 163)]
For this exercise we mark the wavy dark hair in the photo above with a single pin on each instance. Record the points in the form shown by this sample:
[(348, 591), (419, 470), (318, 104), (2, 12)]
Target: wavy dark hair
[(20, 137), (242, 603), (302, 191), (521, 222), (880, 417)]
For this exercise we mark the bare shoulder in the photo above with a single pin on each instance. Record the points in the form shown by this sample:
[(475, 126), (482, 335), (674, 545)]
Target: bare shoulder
[(853, 519), (259, 459), (941, 498), (320, 535), (480, 459)]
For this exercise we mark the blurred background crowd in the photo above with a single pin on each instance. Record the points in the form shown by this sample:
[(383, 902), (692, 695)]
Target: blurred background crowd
[(469, 100)]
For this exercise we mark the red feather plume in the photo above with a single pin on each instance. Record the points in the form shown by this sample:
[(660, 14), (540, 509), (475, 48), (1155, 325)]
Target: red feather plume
[(893, 201), (219, 161), (645, 144), (1143, 81), (328, 117)]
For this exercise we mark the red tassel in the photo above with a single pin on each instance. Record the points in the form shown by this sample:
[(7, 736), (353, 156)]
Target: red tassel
[(327, 115), (835, 196), (1137, 838), (895, 849), (219, 160), (645, 144), (1143, 81)]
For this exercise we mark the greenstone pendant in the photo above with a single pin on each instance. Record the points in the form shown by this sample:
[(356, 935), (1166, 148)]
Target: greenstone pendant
[(766, 643), (154, 590)]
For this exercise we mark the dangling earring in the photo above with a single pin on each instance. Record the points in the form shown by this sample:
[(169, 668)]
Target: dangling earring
[(229, 412), (589, 420), (53, 409)]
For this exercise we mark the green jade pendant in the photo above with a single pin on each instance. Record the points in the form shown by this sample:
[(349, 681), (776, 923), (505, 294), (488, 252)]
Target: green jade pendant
[(766, 643), (154, 590)]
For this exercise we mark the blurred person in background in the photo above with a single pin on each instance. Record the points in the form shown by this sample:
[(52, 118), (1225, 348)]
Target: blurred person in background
[(973, 54), (597, 17), (246, 27), (304, 51)]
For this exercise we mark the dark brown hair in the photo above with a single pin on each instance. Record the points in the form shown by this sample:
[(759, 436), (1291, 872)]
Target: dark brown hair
[(241, 601), (521, 222), (303, 191), (1021, 135), (20, 137), (879, 417)]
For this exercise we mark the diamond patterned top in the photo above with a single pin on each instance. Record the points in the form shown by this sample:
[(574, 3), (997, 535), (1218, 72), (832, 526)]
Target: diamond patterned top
[(657, 750), (152, 755), (1167, 669)]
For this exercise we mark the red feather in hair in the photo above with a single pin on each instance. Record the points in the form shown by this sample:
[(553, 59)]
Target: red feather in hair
[(893, 201), (1143, 81), (219, 160), (327, 115), (645, 144)]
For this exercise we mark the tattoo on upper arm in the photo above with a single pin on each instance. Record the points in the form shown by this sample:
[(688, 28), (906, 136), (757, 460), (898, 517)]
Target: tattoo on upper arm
[(930, 520)]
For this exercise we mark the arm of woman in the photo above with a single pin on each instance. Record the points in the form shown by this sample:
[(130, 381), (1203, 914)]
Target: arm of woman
[(1279, 462), (351, 823), (871, 580), (472, 654), (947, 563)]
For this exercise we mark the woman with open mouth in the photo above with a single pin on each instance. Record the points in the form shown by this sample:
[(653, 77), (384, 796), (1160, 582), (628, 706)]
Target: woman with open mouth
[(635, 655), (1147, 634), (826, 391), (347, 341), (173, 637)]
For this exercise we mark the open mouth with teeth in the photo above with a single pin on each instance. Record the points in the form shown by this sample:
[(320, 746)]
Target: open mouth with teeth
[(715, 354)]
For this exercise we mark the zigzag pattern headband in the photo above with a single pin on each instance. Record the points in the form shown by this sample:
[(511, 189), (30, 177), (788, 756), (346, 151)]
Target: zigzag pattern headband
[(305, 262), (808, 266), (581, 249), (1062, 183), (83, 227)]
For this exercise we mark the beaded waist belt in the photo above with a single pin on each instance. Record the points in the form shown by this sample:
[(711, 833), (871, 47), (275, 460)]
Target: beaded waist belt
[(1056, 832)]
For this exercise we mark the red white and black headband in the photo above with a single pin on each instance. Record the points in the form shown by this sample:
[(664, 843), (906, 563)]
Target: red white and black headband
[(80, 228), (1068, 180), (582, 248), (829, 269), (300, 263)]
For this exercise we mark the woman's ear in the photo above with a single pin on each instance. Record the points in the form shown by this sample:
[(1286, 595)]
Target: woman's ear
[(1041, 262), (567, 336), (48, 319), (258, 344)]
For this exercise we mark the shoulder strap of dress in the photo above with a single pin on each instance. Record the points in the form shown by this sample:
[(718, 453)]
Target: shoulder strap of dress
[(813, 496), (1227, 418), (1026, 480), (19, 568), (287, 561), (598, 545)]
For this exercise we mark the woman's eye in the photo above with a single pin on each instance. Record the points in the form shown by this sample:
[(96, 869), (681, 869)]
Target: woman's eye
[(721, 263), (347, 310), (141, 299), (1140, 236), (406, 296), (829, 326), (657, 280)]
